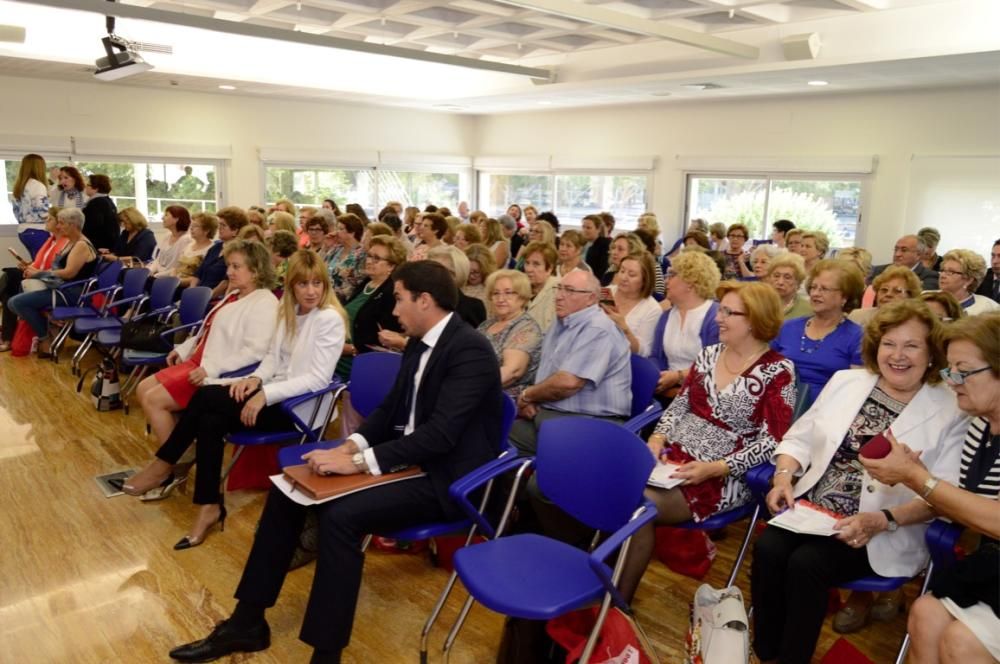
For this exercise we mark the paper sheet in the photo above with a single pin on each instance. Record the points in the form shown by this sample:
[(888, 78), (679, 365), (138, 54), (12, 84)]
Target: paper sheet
[(661, 476), (807, 519)]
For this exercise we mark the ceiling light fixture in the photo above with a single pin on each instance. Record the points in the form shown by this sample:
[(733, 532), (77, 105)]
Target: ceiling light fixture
[(702, 86), (818, 84), (227, 87), (545, 103)]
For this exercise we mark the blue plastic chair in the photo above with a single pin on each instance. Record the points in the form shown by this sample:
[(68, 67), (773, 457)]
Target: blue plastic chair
[(33, 239), (104, 282), (113, 314), (160, 302), (192, 310), (645, 408), (595, 471), (372, 376)]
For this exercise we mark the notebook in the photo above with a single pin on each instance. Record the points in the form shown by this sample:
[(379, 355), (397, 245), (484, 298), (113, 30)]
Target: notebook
[(807, 519), (661, 476), (304, 486)]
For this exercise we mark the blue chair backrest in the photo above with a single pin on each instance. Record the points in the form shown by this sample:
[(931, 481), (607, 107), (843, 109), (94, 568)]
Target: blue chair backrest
[(134, 282), (162, 293), (509, 415), (194, 304), (33, 239), (107, 276), (372, 376), (644, 377), (594, 470)]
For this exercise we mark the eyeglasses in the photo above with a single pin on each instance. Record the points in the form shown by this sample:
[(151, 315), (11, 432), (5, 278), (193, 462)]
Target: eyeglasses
[(895, 291), (377, 259), (951, 272), (506, 295), (315, 229), (726, 312), (959, 377), (569, 289), (822, 290), (734, 235)]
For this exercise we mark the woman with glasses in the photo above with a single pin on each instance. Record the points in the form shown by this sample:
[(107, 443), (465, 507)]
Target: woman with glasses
[(960, 275), (734, 407), (482, 263), (895, 283), (737, 259), (347, 260), (316, 229), (879, 529), (825, 342), (959, 620), (785, 273), (515, 336)]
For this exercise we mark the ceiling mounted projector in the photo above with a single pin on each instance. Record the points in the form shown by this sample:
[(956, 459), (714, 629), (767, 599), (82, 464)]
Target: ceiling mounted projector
[(123, 57)]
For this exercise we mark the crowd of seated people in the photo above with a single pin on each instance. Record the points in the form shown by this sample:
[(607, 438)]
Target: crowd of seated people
[(736, 333)]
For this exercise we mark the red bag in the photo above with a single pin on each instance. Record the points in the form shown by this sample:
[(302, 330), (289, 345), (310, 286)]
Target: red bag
[(621, 641), (842, 652), (445, 546), (254, 468), (687, 552), (20, 345)]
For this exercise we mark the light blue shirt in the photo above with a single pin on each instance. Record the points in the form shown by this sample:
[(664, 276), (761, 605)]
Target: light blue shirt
[(590, 346)]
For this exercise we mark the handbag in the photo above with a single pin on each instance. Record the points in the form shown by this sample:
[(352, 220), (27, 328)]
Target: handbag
[(719, 631), (105, 390), (144, 335), (621, 640), (24, 337)]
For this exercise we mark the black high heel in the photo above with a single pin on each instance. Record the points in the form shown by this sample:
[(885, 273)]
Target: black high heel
[(188, 542)]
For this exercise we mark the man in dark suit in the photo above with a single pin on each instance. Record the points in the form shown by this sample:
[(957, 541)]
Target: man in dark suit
[(451, 427), (991, 282), (100, 215), (907, 253)]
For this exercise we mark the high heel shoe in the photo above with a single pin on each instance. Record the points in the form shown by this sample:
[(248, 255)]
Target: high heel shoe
[(189, 542), (166, 488)]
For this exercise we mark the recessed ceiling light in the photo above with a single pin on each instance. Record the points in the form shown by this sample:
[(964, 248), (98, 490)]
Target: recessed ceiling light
[(818, 84), (227, 87), (702, 86), (661, 93), (449, 107), (545, 103)]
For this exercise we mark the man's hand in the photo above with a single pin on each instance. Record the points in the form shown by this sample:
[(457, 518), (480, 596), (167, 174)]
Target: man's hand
[(332, 462)]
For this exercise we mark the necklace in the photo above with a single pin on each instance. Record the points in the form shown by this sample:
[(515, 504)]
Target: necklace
[(751, 360), (810, 346), (370, 288)]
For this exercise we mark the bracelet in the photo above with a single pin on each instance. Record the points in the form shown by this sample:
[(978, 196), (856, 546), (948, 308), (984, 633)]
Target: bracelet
[(929, 485), (782, 471)]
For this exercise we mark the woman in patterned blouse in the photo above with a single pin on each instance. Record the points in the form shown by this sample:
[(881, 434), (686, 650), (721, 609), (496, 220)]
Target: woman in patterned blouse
[(347, 260), (735, 405), (515, 336)]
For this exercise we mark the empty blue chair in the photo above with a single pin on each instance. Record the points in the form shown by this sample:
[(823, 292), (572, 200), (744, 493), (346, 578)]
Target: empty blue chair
[(160, 302), (105, 283), (645, 408), (33, 239), (113, 313), (595, 471)]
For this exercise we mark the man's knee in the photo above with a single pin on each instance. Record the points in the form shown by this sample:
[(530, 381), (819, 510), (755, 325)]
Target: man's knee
[(524, 436)]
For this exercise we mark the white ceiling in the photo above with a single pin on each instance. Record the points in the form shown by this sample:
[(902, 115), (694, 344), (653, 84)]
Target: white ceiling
[(599, 52)]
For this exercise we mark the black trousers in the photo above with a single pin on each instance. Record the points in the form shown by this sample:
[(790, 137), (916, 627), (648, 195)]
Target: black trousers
[(11, 287), (211, 415), (789, 583), (343, 524)]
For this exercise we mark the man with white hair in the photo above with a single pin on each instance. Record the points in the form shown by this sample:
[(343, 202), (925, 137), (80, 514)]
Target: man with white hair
[(907, 253)]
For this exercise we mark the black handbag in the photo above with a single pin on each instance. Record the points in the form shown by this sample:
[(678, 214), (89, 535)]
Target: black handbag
[(144, 335)]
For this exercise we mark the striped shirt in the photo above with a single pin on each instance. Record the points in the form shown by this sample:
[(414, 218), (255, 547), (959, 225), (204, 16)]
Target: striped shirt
[(980, 448)]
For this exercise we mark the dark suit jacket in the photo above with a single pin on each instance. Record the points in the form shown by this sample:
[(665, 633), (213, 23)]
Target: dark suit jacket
[(598, 255), (986, 288), (458, 411), (377, 311), (928, 278), (470, 309), (100, 222)]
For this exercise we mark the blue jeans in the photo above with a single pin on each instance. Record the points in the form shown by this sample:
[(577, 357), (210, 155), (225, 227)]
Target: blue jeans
[(29, 306)]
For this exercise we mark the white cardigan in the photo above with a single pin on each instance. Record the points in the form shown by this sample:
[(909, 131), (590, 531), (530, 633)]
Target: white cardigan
[(316, 349), (241, 333), (931, 424)]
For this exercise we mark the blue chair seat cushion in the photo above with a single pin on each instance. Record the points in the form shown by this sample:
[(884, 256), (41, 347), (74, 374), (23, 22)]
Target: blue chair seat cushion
[(876, 584), (528, 576), (111, 337), (251, 437), (61, 313), (88, 325), (429, 530), (138, 357)]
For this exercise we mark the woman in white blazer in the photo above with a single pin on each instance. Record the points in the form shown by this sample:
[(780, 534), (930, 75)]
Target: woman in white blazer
[(301, 358), (236, 334), (881, 530)]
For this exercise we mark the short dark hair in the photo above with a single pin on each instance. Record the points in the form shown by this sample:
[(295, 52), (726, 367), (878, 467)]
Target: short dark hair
[(391, 220), (648, 239), (783, 225), (353, 224), (551, 218), (235, 217), (358, 211), (431, 208), (429, 277), (438, 223), (997, 242), (181, 214), (102, 183)]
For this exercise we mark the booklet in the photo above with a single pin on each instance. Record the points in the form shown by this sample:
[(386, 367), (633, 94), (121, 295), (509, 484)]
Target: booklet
[(305, 487), (807, 519), (661, 476)]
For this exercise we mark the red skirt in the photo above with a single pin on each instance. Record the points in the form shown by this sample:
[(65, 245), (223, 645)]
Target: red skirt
[(703, 499), (175, 381)]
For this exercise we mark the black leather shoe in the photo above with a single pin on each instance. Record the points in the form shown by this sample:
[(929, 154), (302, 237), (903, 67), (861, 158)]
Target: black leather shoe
[(224, 640)]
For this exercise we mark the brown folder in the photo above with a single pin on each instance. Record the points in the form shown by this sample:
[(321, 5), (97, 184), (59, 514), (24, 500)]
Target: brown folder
[(322, 487)]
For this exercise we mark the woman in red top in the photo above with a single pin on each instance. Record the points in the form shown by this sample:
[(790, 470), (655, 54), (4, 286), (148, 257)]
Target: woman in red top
[(10, 282)]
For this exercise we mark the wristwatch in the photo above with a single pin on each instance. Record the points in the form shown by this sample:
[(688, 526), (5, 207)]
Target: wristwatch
[(358, 459), (893, 524)]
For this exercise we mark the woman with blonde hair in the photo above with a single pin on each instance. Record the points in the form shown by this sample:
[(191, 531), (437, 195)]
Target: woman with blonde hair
[(136, 240), (539, 231), (943, 305), (785, 273), (571, 244), (467, 235), (961, 273), (31, 196), (648, 221), (493, 238), (281, 221), (515, 336), (893, 284), (813, 248), (301, 357)]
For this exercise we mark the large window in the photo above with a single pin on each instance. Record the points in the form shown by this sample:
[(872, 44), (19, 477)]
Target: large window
[(829, 205), (570, 196)]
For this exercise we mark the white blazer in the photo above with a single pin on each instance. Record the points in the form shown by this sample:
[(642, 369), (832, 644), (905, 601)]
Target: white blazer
[(241, 333), (316, 349), (931, 424)]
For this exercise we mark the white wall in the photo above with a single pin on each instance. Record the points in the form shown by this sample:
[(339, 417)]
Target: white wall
[(892, 126)]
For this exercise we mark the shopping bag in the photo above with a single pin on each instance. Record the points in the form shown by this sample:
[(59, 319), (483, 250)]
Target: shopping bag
[(687, 552), (719, 630), (20, 345), (621, 640)]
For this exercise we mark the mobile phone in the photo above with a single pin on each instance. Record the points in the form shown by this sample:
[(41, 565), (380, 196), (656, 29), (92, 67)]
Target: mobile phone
[(16, 256), (878, 447), (606, 297)]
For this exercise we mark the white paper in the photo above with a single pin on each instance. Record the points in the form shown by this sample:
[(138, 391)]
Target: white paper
[(286, 488), (807, 519), (661, 476)]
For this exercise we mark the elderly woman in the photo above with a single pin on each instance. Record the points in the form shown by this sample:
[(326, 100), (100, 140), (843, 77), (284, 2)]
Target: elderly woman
[(77, 260), (943, 305), (467, 235), (825, 342), (346, 261), (737, 258), (624, 245), (880, 529), (236, 333), (513, 333), (690, 323), (170, 248), (633, 308), (959, 621), (893, 284), (430, 230), (793, 240), (571, 244), (14, 276), (202, 231), (961, 273), (281, 221), (136, 240), (760, 258), (785, 273), (734, 407), (813, 248), (595, 251), (482, 263), (300, 358), (539, 266), (316, 230)]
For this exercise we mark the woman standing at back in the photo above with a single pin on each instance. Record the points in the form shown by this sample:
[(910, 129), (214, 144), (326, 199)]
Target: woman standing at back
[(31, 197)]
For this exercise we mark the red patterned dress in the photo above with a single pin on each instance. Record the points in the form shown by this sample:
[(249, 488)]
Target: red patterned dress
[(741, 425)]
